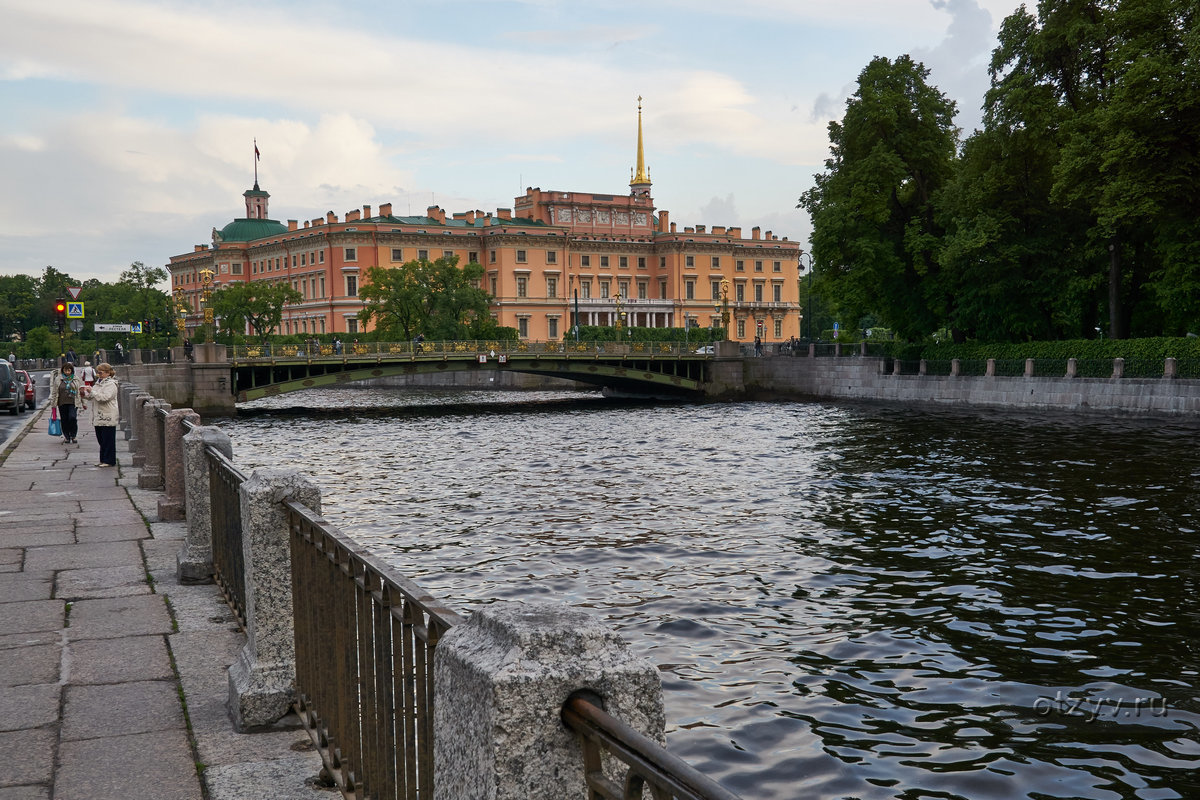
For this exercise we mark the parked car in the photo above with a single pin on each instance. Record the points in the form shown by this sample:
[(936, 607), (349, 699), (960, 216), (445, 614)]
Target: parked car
[(30, 389), (12, 391)]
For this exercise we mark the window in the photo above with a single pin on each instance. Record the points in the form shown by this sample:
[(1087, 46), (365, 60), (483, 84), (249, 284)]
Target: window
[(551, 287), (321, 258), (758, 266), (778, 329), (237, 269), (303, 261), (777, 293), (492, 285), (758, 292), (689, 290), (641, 262), (552, 328), (351, 325), (350, 255), (662, 289), (322, 286), (520, 256), (642, 290), (716, 290), (351, 286), (741, 329), (739, 265), (423, 255), (523, 327), (691, 261), (585, 289), (623, 262), (472, 257), (492, 256), (397, 254), (604, 290), (603, 262), (662, 262), (522, 286), (776, 266), (312, 257), (740, 292), (585, 261), (716, 262), (623, 288), (447, 254), (551, 256)]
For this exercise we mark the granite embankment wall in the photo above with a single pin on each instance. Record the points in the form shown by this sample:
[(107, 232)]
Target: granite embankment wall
[(866, 379)]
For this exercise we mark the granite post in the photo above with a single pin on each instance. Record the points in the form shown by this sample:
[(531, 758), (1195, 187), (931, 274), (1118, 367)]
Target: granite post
[(955, 367), (151, 476), (1170, 368), (500, 681), (136, 440), (1072, 367), (1029, 368), (262, 681), (125, 393), (172, 506), (194, 563), (1118, 368)]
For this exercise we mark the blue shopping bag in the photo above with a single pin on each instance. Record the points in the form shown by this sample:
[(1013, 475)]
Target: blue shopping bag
[(55, 425)]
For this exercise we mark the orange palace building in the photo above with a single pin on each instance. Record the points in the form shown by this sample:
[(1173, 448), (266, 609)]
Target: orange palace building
[(624, 259)]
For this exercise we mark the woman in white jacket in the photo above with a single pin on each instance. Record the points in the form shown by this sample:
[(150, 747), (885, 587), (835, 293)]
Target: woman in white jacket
[(104, 413)]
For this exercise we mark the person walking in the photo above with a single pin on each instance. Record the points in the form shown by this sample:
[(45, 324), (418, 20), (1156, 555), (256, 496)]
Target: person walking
[(88, 375), (104, 413), (64, 394)]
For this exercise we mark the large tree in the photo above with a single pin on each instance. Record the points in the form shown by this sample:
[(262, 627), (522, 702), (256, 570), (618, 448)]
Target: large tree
[(436, 299), (259, 304), (876, 238)]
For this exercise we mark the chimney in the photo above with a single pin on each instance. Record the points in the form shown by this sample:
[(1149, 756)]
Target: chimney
[(504, 213), (306, 224), (331, 218), (366, 212), (672, 227), (664, 221), (200, 247), (699, 229), (687, 229), (718, 230), (469, 217), (385, 209), (352, 216), (735, 233), (317, 222), (293, 225), (755, 231)]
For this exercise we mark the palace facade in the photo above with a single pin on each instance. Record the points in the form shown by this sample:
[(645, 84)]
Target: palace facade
[(612, 257)]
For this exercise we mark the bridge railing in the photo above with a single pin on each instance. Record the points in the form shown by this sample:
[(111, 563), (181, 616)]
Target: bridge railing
[(362, 642), (376, 350)]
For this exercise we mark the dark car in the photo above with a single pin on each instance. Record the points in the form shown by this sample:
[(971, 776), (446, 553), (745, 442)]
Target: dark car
[(30, 393), (12, 394)]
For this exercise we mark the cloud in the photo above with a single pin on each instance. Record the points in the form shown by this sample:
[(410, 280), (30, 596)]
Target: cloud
[(958, 64)]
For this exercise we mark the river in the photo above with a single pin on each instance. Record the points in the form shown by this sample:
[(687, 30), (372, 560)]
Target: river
[(845, 602)]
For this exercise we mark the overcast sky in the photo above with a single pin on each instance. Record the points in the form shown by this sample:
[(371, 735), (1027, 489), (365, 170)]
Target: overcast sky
[(127, 128)]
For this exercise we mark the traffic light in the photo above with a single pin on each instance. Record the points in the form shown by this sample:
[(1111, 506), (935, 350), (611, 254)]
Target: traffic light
[(60, 312)]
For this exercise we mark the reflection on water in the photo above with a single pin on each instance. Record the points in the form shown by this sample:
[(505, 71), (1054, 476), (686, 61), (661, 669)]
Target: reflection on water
[(844, 602)]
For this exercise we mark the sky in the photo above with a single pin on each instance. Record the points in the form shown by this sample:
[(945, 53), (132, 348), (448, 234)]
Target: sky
[(128, 126)]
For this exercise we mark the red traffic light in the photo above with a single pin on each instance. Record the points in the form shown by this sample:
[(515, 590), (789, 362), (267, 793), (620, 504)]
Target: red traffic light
[(61, 308)]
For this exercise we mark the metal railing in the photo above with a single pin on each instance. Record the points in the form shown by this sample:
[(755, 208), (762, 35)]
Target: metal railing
[(364, 662), (378, 350), (649, 765), (229, 570)]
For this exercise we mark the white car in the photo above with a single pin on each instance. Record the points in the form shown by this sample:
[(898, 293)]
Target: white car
[(707, 350)]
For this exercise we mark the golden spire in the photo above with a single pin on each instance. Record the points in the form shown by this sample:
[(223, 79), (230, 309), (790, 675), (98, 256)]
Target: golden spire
[(641, 176)]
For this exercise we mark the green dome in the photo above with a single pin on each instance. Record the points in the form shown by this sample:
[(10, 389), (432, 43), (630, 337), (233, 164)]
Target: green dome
[(248, 230)]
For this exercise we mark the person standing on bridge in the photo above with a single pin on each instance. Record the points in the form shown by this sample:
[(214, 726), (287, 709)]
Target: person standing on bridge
[(64, 393), (104, 413), (88, 374)]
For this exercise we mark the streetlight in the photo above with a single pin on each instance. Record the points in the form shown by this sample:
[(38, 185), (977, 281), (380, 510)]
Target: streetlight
[(799, 273), (725, 306), (206, 281)]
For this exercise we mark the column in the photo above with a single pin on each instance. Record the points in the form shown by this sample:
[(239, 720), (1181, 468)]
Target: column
[(172, 507), (194, 564)]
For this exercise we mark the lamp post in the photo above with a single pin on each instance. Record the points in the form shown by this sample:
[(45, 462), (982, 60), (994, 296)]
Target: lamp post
[(619, 316), (799, 274), (725, 306), (206, 281)]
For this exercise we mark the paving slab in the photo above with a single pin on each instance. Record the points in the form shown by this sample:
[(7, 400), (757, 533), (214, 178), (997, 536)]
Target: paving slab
[(82, 556), (38, 663), (31, 616), (117, 709), (76, 584), (107, 618), (30, 706), (30, 537), (24, 793), (157, 765), (289, 778), (25, 587), (122, 531), (130, 658), (27, 757)]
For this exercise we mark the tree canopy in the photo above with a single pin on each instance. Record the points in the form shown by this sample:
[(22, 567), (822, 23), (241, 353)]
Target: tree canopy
[(259, 304), (435, 299)]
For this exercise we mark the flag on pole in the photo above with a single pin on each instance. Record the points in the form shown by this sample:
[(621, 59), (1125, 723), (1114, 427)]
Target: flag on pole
[(257, 155)]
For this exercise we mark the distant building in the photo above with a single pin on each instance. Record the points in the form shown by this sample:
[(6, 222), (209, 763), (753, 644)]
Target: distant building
[(621, 256)]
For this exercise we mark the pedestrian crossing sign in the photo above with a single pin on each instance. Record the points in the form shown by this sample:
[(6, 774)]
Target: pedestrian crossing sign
[(135, 327), (74, 310)]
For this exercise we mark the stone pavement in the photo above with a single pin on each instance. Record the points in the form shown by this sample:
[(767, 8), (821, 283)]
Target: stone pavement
[(112, 675)]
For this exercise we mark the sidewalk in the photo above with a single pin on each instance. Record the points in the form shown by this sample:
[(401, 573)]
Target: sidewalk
[(112, 675)]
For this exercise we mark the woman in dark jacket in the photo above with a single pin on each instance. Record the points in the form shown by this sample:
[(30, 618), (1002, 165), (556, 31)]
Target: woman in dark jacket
[(64, 393)]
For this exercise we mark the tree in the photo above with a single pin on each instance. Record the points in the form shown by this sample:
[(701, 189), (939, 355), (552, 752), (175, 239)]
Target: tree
[(875, 234), (435, 299), (18, 301), (146, 302), (260, 304)]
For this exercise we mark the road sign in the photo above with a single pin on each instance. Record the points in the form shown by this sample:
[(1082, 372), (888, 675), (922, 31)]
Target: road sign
[(77, 325), (110, 327), (74, 290), (135, 327), (74, 310)]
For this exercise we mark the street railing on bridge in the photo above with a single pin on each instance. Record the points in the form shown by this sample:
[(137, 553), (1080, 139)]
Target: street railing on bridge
[(441, 349), (363, 637)]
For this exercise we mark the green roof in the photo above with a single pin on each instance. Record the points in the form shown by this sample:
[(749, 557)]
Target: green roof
[(249, 230)]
